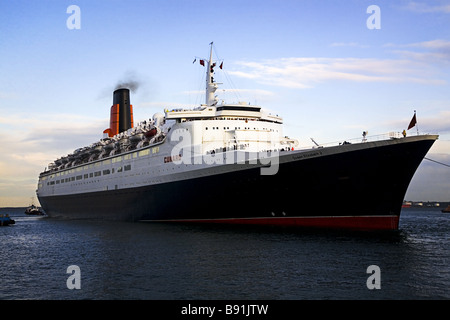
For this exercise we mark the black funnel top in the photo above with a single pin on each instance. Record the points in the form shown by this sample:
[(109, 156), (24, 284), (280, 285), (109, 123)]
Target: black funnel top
[(122, 98)]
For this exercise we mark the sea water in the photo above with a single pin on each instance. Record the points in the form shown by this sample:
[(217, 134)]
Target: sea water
[(44, 258)]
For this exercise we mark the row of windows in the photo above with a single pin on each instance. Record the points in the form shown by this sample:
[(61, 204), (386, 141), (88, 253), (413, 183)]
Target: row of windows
[(239, 108), (238, 128), (90, 175)]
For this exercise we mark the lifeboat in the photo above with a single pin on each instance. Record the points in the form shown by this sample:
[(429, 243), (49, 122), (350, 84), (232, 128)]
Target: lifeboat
[(150, 133)]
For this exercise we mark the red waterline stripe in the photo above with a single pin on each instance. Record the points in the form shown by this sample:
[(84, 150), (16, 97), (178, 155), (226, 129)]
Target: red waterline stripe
[(336, 222)]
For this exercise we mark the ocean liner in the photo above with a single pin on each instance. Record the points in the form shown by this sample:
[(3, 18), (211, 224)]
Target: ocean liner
[(229, 163)]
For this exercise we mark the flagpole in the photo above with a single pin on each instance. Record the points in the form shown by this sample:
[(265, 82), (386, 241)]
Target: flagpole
[(417, 125), (413, 123)]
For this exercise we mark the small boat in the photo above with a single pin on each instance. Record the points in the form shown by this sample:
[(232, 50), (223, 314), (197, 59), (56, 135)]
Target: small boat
[(447, 210), (5, 220), (33, 210), (406, 204)]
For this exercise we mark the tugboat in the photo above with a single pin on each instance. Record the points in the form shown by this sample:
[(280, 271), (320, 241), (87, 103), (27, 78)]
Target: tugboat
[(5, 220), (446, 210), (34, 211)]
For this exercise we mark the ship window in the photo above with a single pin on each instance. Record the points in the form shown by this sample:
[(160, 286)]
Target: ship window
[(127, 167), (97, 174), (107, 171), (118, 159), (79, 177), (91, 175), (86, 176)]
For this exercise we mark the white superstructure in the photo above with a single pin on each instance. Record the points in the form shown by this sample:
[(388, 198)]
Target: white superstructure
[(179, 144)]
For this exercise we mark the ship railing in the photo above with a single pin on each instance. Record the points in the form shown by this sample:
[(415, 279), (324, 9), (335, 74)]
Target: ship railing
[(363, 139)]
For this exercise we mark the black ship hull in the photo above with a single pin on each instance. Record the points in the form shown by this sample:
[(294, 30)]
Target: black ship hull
[(349, 186)]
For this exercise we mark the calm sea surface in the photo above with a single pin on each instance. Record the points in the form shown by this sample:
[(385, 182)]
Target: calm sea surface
[(119, 260)]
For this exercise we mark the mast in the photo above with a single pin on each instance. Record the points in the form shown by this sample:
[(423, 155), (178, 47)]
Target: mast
[(211, 86)]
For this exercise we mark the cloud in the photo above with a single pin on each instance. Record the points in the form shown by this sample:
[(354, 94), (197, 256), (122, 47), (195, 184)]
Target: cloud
[(49, 131), (308, 72), (433, 44), (422, 7), (420, 62), (8, 95), (436, 51), (30, 142), (437, 124)]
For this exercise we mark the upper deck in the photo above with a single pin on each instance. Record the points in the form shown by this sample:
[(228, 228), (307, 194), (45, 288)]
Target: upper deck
[(239, 111)]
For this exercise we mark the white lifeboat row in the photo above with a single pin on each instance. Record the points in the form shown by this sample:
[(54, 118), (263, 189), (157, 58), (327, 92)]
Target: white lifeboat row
[(144, 134)]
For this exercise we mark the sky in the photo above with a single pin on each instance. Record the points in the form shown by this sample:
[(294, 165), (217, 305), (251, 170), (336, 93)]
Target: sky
[(331, 68)]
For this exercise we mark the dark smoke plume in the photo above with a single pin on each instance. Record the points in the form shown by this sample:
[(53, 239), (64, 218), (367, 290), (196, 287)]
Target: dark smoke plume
[(130, 81)]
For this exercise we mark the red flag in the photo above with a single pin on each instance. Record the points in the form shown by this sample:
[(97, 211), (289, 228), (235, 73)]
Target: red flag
[(413, 122), (221, 65), (202, 62)]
